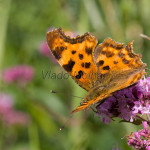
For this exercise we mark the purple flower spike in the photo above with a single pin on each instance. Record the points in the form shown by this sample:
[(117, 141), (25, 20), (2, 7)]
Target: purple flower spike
[(141, 139), (145, 125), (148, 148), (20, 74), (127, 103)]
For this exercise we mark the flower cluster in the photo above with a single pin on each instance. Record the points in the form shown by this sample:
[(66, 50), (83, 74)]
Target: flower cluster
[(127, 103), (8, 114), (140, 139), (18, 74), (44, 51)]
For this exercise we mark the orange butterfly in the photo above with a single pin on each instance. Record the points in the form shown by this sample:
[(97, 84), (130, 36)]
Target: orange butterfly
[(102, 70)]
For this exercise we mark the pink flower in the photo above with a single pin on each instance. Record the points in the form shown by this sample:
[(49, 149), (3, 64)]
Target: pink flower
[(44, 50), (6, 103), (140, 139), (8, 114), (71, 34), (16, 117), (148, 147), (20, 74)]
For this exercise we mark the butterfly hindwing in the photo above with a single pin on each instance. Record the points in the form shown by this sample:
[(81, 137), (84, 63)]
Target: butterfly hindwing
[(118, 63), (118, 67)]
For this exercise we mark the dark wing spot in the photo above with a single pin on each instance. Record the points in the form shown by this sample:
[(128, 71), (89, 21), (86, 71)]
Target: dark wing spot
[(120, 54), (80, 74), (80, 56), (73, 41), (106, 68), (58, 51), (109, 54), (106, 44), (125, 61), (128, 48), (82, 64), (78, 39), (88, 50), (131, 55), (73, 52), (68, 67), (56, 54), (87, 65), (103, 52), (100, 63), (115, 62), (118, 47), (62, 48), (112, 45)]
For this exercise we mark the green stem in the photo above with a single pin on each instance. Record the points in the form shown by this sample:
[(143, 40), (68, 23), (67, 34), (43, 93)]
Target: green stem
[(34, 137), (2, 134), (148, 122), (4, 14)]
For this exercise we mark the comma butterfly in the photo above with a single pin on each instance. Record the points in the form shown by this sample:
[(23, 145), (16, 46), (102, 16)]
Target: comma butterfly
[(109, 67)]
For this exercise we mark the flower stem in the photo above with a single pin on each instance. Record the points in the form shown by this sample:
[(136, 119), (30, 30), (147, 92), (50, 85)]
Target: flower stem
[(148, 121), (141, 118), (4, 14)]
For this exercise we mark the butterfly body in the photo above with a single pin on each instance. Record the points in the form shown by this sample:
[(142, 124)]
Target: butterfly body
[(100, 71)]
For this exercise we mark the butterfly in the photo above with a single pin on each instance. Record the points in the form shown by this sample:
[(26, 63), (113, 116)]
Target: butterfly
[(100, 69)]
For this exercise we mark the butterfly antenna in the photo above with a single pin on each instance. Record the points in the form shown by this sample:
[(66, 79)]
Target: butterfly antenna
[(52, 91), (65, 124), (93, 109)]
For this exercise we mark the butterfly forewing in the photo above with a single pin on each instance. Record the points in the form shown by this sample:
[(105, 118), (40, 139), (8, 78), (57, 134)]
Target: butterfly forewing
[(75, 55)]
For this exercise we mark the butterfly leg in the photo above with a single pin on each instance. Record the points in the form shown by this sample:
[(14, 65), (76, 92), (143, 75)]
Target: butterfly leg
[(87, 104)]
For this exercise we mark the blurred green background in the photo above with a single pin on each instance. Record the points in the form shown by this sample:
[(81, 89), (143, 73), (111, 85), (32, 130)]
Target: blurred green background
[(23, 27)]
